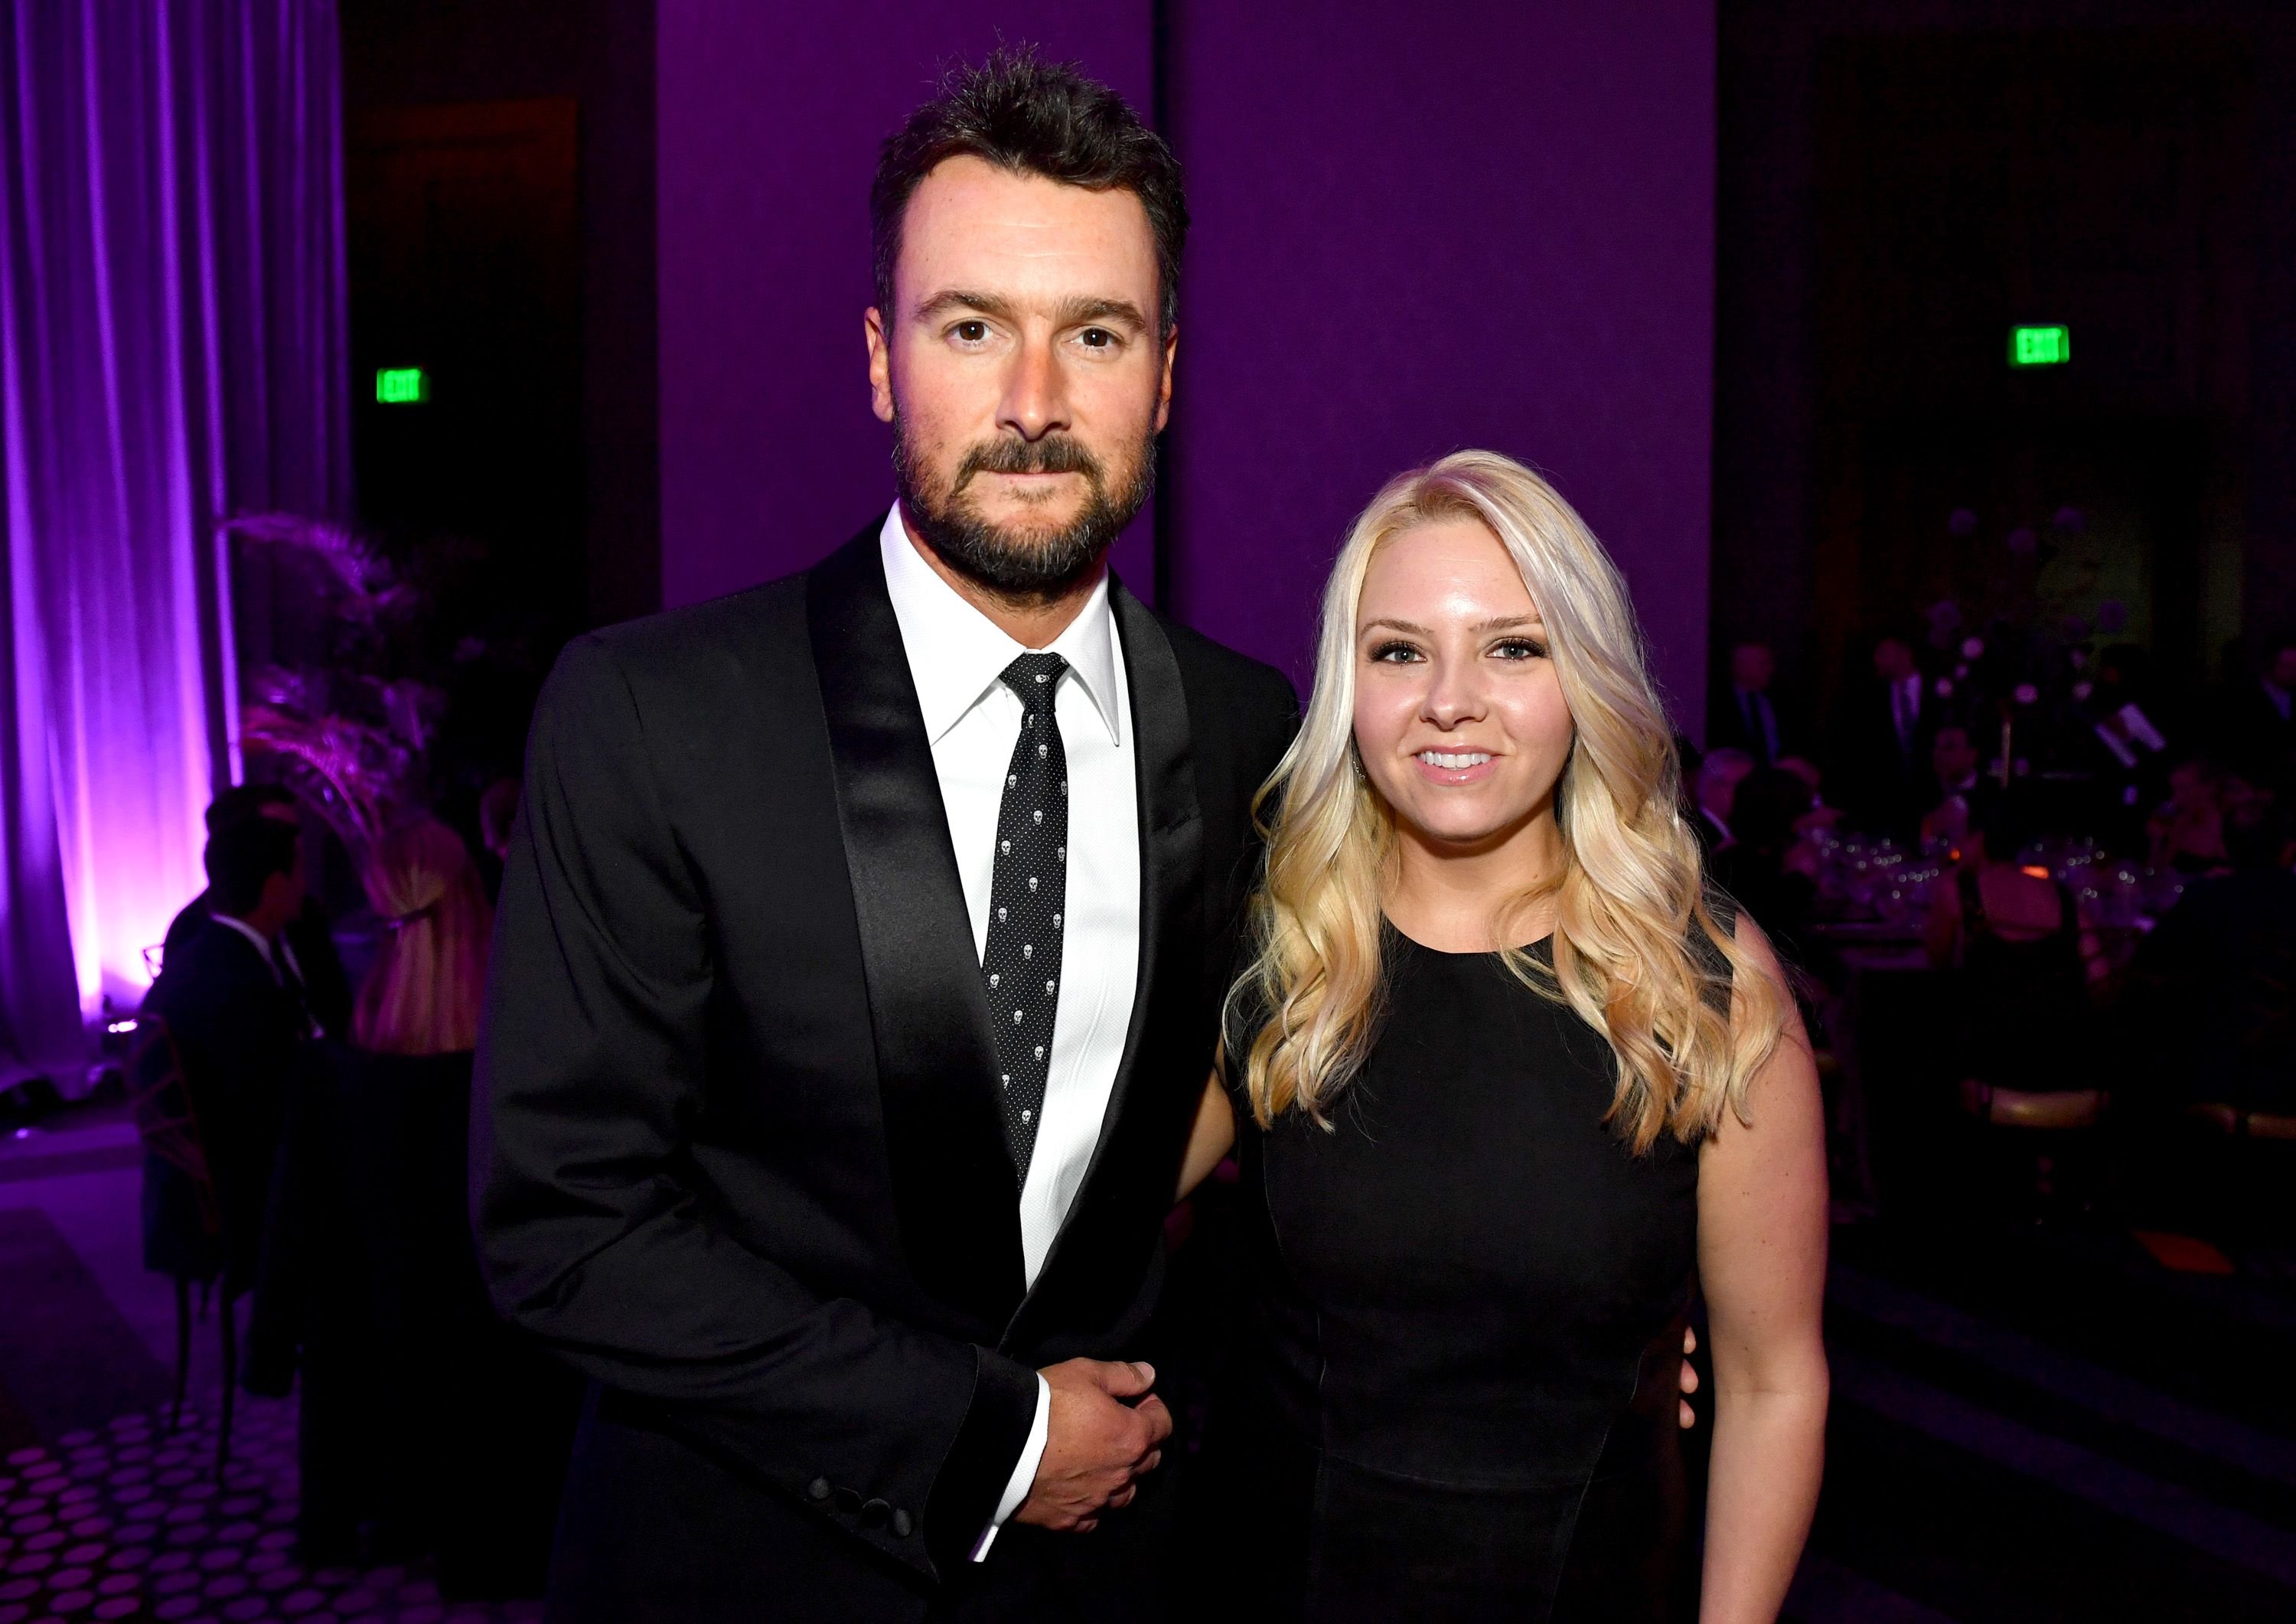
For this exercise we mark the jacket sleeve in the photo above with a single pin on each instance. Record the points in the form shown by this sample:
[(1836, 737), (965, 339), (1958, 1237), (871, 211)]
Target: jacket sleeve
[(593, 1237)]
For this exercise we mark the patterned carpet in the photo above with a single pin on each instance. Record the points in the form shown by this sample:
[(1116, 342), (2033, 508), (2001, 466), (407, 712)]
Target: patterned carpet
[(128, 1521)]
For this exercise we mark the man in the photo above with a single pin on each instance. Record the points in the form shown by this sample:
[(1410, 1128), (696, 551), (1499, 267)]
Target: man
[(1888, 743), (859, 957), (1966, 797), (306, 955), (236, 1021), (1745, 716), (1718, 776), (2259, 721)]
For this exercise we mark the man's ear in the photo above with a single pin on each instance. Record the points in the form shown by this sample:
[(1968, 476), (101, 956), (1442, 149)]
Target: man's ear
[(1164, 389), (880, 364)]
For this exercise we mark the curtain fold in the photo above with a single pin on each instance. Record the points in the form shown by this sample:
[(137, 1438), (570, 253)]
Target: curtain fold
[(172, 352)]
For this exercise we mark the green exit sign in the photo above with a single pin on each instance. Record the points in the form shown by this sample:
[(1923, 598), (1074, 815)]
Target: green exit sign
[(402, 386), (2041, 346)]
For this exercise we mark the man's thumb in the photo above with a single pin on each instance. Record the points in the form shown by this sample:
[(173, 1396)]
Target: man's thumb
[(1127, 1378)]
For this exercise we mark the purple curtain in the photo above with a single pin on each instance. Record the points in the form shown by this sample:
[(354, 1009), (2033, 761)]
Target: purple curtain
[(172, 352)]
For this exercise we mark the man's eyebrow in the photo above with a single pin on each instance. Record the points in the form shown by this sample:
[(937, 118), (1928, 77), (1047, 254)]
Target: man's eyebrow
[(950, 299), (1077, 311)]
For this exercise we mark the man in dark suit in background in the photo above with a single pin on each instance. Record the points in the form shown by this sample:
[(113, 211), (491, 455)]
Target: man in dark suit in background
[(860, 953), (1746, 715), (1887, 741), (308, 959), (2255, 725), (236, 1020)]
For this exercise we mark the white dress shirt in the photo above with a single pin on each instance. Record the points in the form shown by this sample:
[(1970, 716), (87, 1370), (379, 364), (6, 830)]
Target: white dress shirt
[(957, 655), (263, 946)]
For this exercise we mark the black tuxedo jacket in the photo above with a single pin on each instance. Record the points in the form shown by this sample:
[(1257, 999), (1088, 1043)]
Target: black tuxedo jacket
[(237, 1033), (736, 1151), (326, 989)]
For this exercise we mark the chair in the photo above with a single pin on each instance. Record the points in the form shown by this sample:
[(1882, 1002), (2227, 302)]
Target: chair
[(2240, 1173), (183, 1222), (2235, 1123), (2035, 1126)]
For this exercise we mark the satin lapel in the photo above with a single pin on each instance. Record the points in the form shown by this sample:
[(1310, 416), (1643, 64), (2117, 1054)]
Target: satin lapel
[(1089, 1276), (952, 1181)]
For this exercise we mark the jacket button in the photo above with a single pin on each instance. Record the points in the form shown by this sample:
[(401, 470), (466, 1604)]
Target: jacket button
[(901, 1524), (848, 1501), (818, 1490), (874, 1515)]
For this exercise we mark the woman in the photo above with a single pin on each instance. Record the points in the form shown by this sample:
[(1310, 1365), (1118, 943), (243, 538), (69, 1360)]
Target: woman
[(427, 1426), (1509, 1085)]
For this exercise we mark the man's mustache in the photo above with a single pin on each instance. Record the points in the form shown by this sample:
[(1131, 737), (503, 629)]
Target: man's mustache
[(1053, 454)]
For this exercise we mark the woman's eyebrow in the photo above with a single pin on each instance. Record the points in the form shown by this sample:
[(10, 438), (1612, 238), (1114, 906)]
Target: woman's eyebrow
[(1499, 623)]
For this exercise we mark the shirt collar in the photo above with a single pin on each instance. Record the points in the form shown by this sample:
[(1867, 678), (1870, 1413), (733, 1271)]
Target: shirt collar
[(956, 653), (253, 935)]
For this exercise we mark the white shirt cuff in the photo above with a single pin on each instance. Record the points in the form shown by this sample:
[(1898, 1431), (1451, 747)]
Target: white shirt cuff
[(1024, 1470)]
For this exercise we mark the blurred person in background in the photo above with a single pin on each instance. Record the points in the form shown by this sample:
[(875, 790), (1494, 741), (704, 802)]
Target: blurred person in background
[(309, 959), (1884, 748), (237, 1020), (2257, 719), (2211, 998), (1966, 795), (427, 1426), (1769, 867), (1746, 716), (1822, 814), (2186, 831), (1719, 775)]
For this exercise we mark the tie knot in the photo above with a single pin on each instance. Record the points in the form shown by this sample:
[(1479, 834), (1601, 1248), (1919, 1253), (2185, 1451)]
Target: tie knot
[(1035, 677)]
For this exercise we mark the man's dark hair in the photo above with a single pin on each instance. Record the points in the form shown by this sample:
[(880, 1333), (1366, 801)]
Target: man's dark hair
[(1032, 117), (242, 856), (242, 802)]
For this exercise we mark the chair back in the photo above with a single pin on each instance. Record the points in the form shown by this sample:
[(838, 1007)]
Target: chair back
[(165, 1119)]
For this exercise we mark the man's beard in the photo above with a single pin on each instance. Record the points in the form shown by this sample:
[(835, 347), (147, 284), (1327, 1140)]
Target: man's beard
[(1021, 565)]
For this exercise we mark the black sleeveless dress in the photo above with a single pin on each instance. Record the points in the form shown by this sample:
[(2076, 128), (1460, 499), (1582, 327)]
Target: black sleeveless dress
[(1469, 1303)]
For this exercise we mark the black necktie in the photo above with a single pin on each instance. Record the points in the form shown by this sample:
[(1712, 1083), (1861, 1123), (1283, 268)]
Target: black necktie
[(1026, 894)]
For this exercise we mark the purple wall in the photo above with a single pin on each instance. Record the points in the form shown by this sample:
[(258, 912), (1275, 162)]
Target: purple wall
[(1492, 228), (1495, 227), (770, 118)]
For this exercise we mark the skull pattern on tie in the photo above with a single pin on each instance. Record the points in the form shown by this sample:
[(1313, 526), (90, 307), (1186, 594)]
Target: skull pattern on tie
[(1028, 898)]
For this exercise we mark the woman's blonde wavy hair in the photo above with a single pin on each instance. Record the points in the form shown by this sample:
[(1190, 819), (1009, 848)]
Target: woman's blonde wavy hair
[(1636, 952), (425, 992)]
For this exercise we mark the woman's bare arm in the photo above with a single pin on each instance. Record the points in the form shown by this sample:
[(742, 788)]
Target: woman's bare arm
[(1761, 1259), (1211, 1138)]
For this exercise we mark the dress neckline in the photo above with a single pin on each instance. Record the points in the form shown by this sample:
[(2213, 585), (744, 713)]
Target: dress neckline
[(1409, 940)]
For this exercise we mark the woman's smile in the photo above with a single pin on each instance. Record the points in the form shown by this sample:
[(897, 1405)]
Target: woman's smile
[(1451, 768)]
